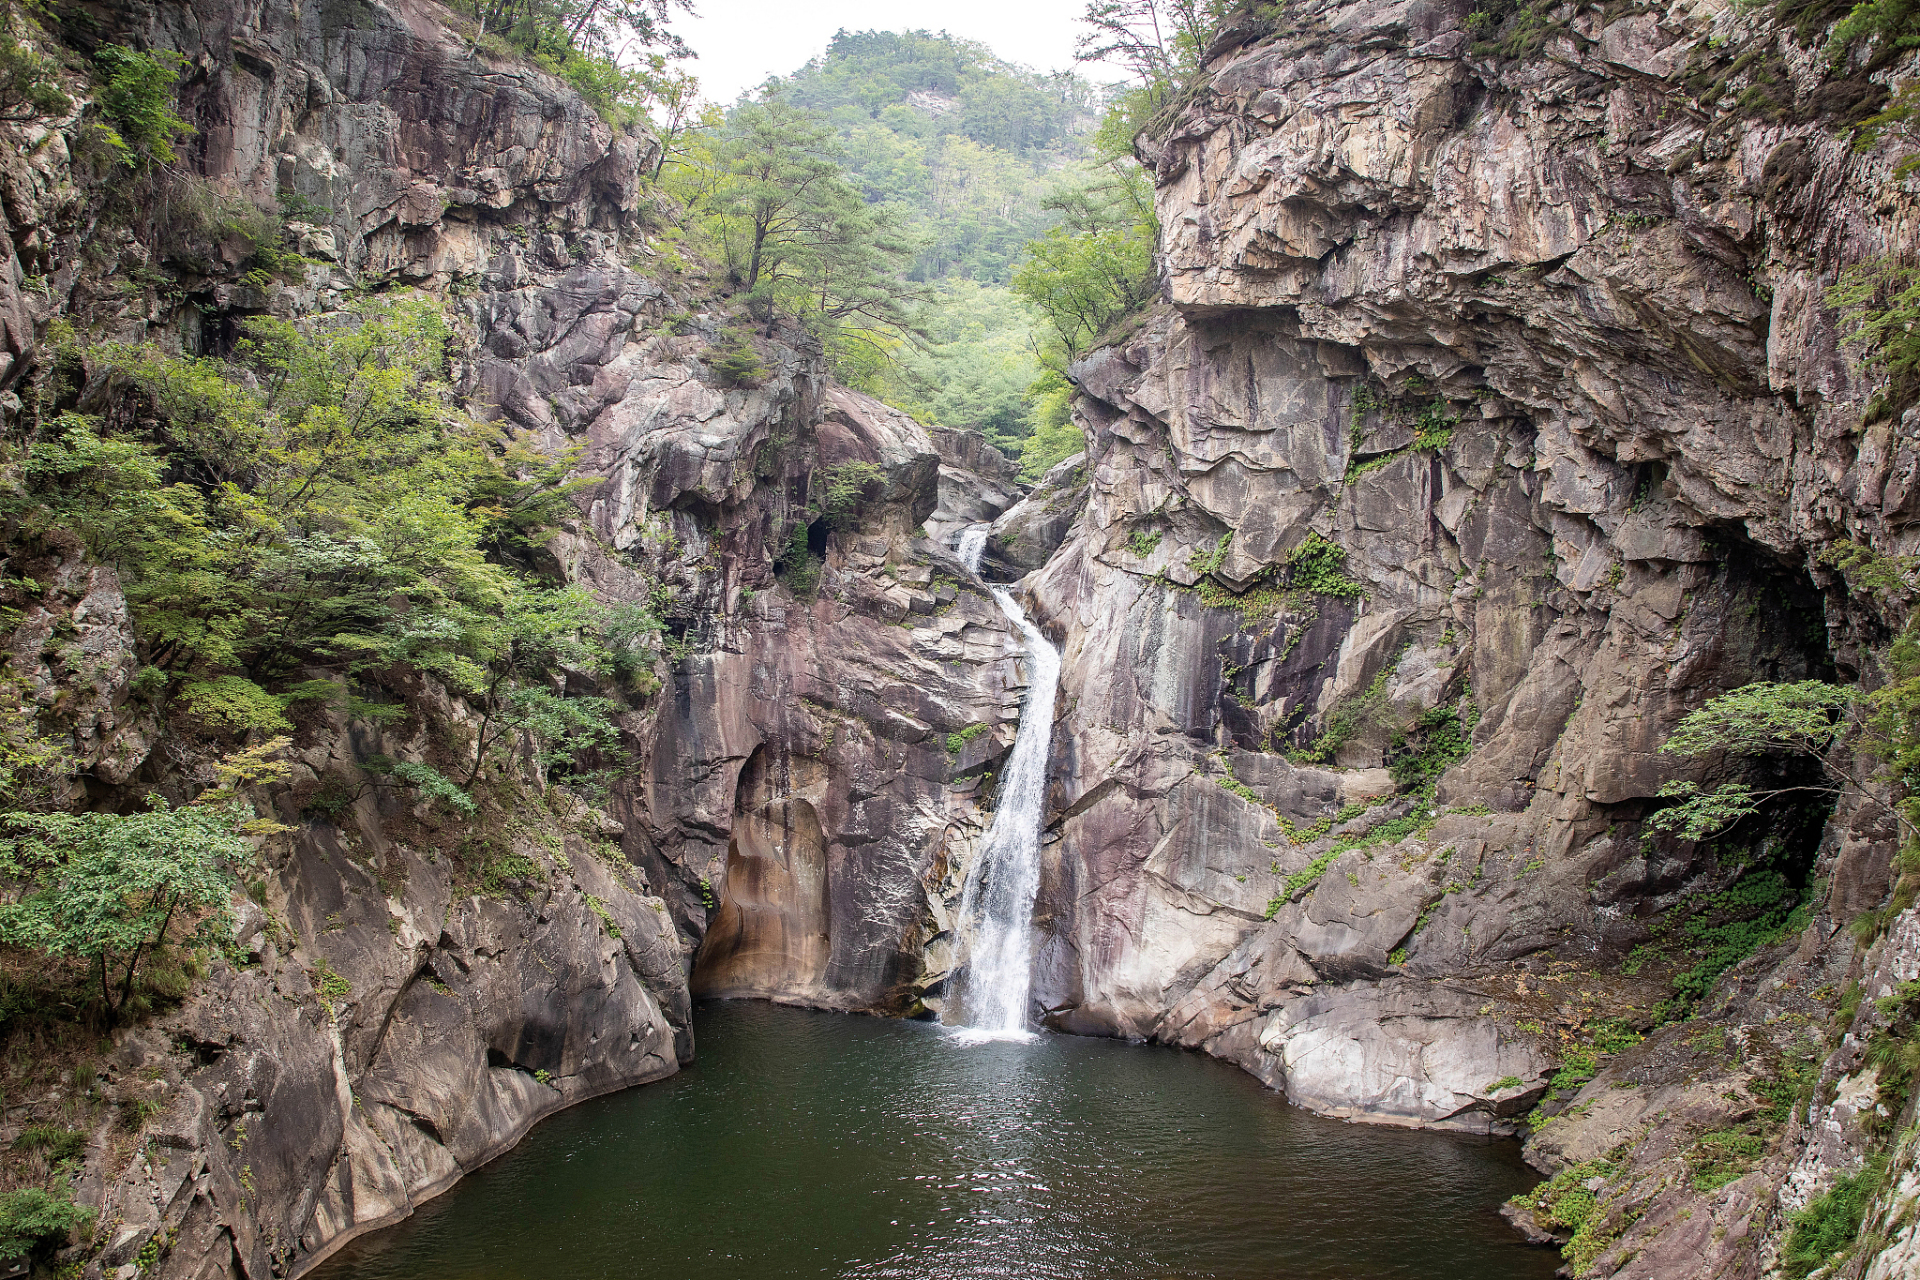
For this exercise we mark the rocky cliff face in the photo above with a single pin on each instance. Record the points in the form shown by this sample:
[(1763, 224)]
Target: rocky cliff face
[(410, 991), (1538, 345)]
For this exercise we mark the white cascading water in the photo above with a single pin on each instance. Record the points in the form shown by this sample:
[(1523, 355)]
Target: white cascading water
[(996, 903)]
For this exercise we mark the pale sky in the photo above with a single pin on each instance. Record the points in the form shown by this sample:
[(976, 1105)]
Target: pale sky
[(742, 42)]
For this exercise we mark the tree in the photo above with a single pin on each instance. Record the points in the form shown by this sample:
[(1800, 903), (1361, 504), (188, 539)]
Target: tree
[(1806, 719), (35, 1218), (616, 54), (35, 770), (1097, 266), (110, 889), (674, 98), (138, 99), (770, 192), (1159, 41), (318, 500), (535, 635)]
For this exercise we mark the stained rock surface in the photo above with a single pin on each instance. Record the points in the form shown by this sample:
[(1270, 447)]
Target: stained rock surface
[(1493, 390)]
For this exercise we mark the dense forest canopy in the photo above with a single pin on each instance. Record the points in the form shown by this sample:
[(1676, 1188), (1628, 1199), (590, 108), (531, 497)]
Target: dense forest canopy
[(975, 168)]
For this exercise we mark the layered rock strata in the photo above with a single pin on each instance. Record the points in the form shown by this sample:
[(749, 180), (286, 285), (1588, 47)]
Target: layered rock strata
[(409, 992), (1497, 390)]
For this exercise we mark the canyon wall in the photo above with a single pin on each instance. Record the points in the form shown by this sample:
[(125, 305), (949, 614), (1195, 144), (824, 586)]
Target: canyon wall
[(410, 990), (1536, 342)]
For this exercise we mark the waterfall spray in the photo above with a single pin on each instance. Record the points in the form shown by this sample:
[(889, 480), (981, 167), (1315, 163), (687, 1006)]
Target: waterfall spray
[(996, 902)]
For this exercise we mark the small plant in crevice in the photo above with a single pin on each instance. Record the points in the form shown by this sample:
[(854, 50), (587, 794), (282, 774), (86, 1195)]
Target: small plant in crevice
[(1319, 566), (735, 362), (957, 741), (843, 487), (797, 565), (1436, 741), (1203, 560), (1827, 1230), (330, 987), (607, 922)]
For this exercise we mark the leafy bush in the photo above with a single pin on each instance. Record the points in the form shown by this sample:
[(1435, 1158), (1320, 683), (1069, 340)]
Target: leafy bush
[(29, 81), (1096, 268), (1436, 742), (237, 703), (798, 566), (735, 362), (34, 1218), (1319, 566), (843, 488), (111, 889), (1880, 301), (320, 501), (615, 56), (138, 100), (957, 741), (1895, 24), (35, 769), (432, 785), (1055, 437)]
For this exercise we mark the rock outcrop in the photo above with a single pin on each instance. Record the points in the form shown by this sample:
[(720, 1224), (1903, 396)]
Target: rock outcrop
[(1496, 390), (1492, 420), (410, 991)]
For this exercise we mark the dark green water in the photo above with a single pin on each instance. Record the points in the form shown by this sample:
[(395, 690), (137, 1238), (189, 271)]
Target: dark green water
[(813, 1144)]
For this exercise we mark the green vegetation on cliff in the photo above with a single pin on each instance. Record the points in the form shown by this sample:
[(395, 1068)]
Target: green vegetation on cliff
[(312, 520)]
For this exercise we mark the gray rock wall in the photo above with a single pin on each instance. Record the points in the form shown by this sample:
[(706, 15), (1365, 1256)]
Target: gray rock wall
[(413, 991), (1539, 344)]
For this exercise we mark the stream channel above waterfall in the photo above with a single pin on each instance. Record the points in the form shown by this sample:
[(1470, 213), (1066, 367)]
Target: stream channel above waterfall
[(818, 1144)]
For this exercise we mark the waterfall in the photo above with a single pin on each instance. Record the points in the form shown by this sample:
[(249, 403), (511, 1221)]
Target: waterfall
[(996, 903)]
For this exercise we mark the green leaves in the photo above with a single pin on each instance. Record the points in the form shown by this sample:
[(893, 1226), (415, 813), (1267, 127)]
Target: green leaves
[(1831, 1223), (238, 704), (138, 99), (34, 1217), (1703, 813), (1802, 718), (320, 502), (1880, 300), (109, 888), (1096, 267), (317, 500)]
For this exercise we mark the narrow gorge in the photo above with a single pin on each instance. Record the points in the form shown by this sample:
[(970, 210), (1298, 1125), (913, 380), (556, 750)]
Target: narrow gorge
[(1459, 671)]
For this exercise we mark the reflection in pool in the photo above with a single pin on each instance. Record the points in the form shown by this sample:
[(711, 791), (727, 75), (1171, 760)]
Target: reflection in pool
[(814, 1144)]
